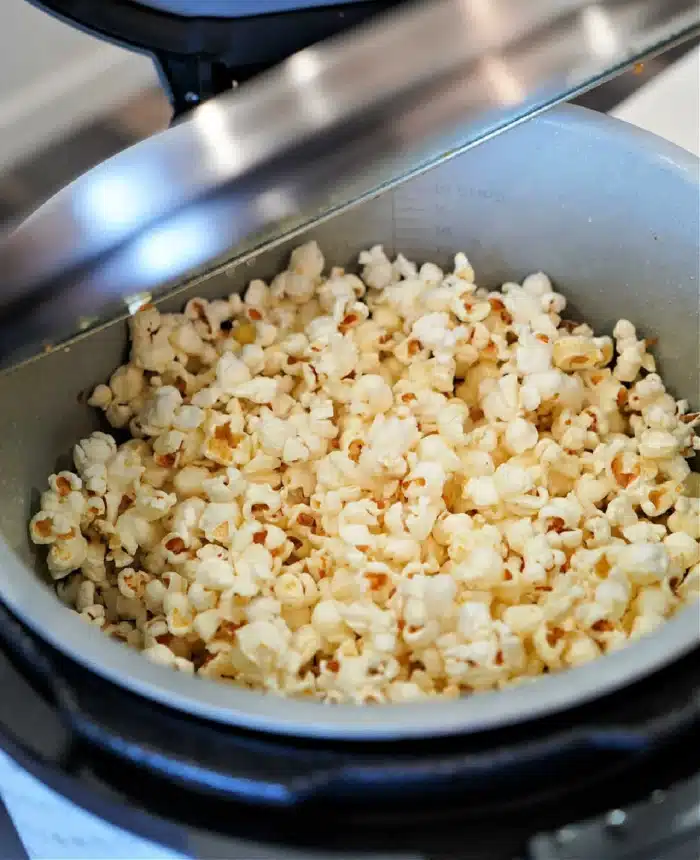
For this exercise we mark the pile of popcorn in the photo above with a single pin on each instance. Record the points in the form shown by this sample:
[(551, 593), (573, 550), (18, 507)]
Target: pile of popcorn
[(378, 488)]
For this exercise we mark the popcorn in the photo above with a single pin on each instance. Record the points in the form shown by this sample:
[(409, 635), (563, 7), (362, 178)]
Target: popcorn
[(133, 531), (224, 441), (549, 644), (119, 414), (686, 517), (95, 478), (159, 411), (643, 625), (66, 554), (435, 449), (523, 619), (624, 330), (582, 649), (215, 574), (154, 592), (474, 621), (101, 397), (371, 395), (521, 436), (206, 624), (483, 569), (94, 615), (337, 358), (657, 444), (629, 363), (126, 383), (482, 491), (532, 356), (94, 567), (263, 643), (45, 527), (219, 520), (161, 655), (689, 588), (152, 504), (132, 583), (426, 479), (653, 601), (191, 480), (258, 390), (612, 595), (591, 490), (383, 488), (378, 271), (99, 448), (188, 418), (307, 260), (231, 372), (451, 422), (643, 563), (577, 352), (683, 549), (512, 480)]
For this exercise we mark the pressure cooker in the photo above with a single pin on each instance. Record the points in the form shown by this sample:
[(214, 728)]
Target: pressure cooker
[(600, 761)]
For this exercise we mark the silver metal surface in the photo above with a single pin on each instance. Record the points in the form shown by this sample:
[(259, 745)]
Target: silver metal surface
[(317, 134), (609, 211), (666, 829)]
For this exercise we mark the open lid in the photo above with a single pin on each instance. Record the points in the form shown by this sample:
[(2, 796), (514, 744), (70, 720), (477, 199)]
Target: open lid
[(203, 47), (231, 8), (332, 125)]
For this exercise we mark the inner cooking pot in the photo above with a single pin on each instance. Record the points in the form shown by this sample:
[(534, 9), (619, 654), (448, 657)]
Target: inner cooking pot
[(609, 212)]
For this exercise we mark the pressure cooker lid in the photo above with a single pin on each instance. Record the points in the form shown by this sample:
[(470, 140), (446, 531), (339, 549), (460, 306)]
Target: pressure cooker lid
[(232, 32), (234, 8), (330, 126)]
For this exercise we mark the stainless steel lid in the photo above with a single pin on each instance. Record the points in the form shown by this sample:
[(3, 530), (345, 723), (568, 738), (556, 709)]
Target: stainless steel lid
[(332, 125)]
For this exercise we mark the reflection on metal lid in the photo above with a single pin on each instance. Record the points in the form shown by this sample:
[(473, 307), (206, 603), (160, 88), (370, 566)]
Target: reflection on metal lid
[(324, 130)]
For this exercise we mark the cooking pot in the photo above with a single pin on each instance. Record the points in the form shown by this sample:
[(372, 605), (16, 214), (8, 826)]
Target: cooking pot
[(611, 214)]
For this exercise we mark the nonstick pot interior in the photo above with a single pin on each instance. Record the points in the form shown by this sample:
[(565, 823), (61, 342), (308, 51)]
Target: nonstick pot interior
[(609, 212)]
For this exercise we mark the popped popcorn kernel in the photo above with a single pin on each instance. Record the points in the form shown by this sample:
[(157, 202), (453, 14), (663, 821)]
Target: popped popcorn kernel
[(384, 487)]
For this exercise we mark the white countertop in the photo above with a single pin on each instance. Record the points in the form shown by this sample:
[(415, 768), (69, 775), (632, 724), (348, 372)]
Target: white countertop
[(54, 829), (670, 104)]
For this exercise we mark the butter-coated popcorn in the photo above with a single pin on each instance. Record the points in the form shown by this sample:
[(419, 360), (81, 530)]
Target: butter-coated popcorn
[(219, 521), (523, 619), (686, 517), (94, 615), (66, 554), (689, 588), (97, 448), (683, 548), (520, 435), (643, 563), (581, 649), (47, 526), (94, 565), (378, 488), (482, 491), (645, 624)]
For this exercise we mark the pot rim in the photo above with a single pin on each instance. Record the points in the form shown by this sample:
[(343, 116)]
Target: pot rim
[(38, 608)]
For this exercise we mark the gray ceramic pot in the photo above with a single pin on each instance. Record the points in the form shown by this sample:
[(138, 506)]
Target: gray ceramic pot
[(609, 212)]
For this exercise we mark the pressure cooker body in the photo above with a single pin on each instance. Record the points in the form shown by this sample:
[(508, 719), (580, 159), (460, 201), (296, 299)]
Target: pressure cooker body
[(210, 792), (548, 195), (611, 214)]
